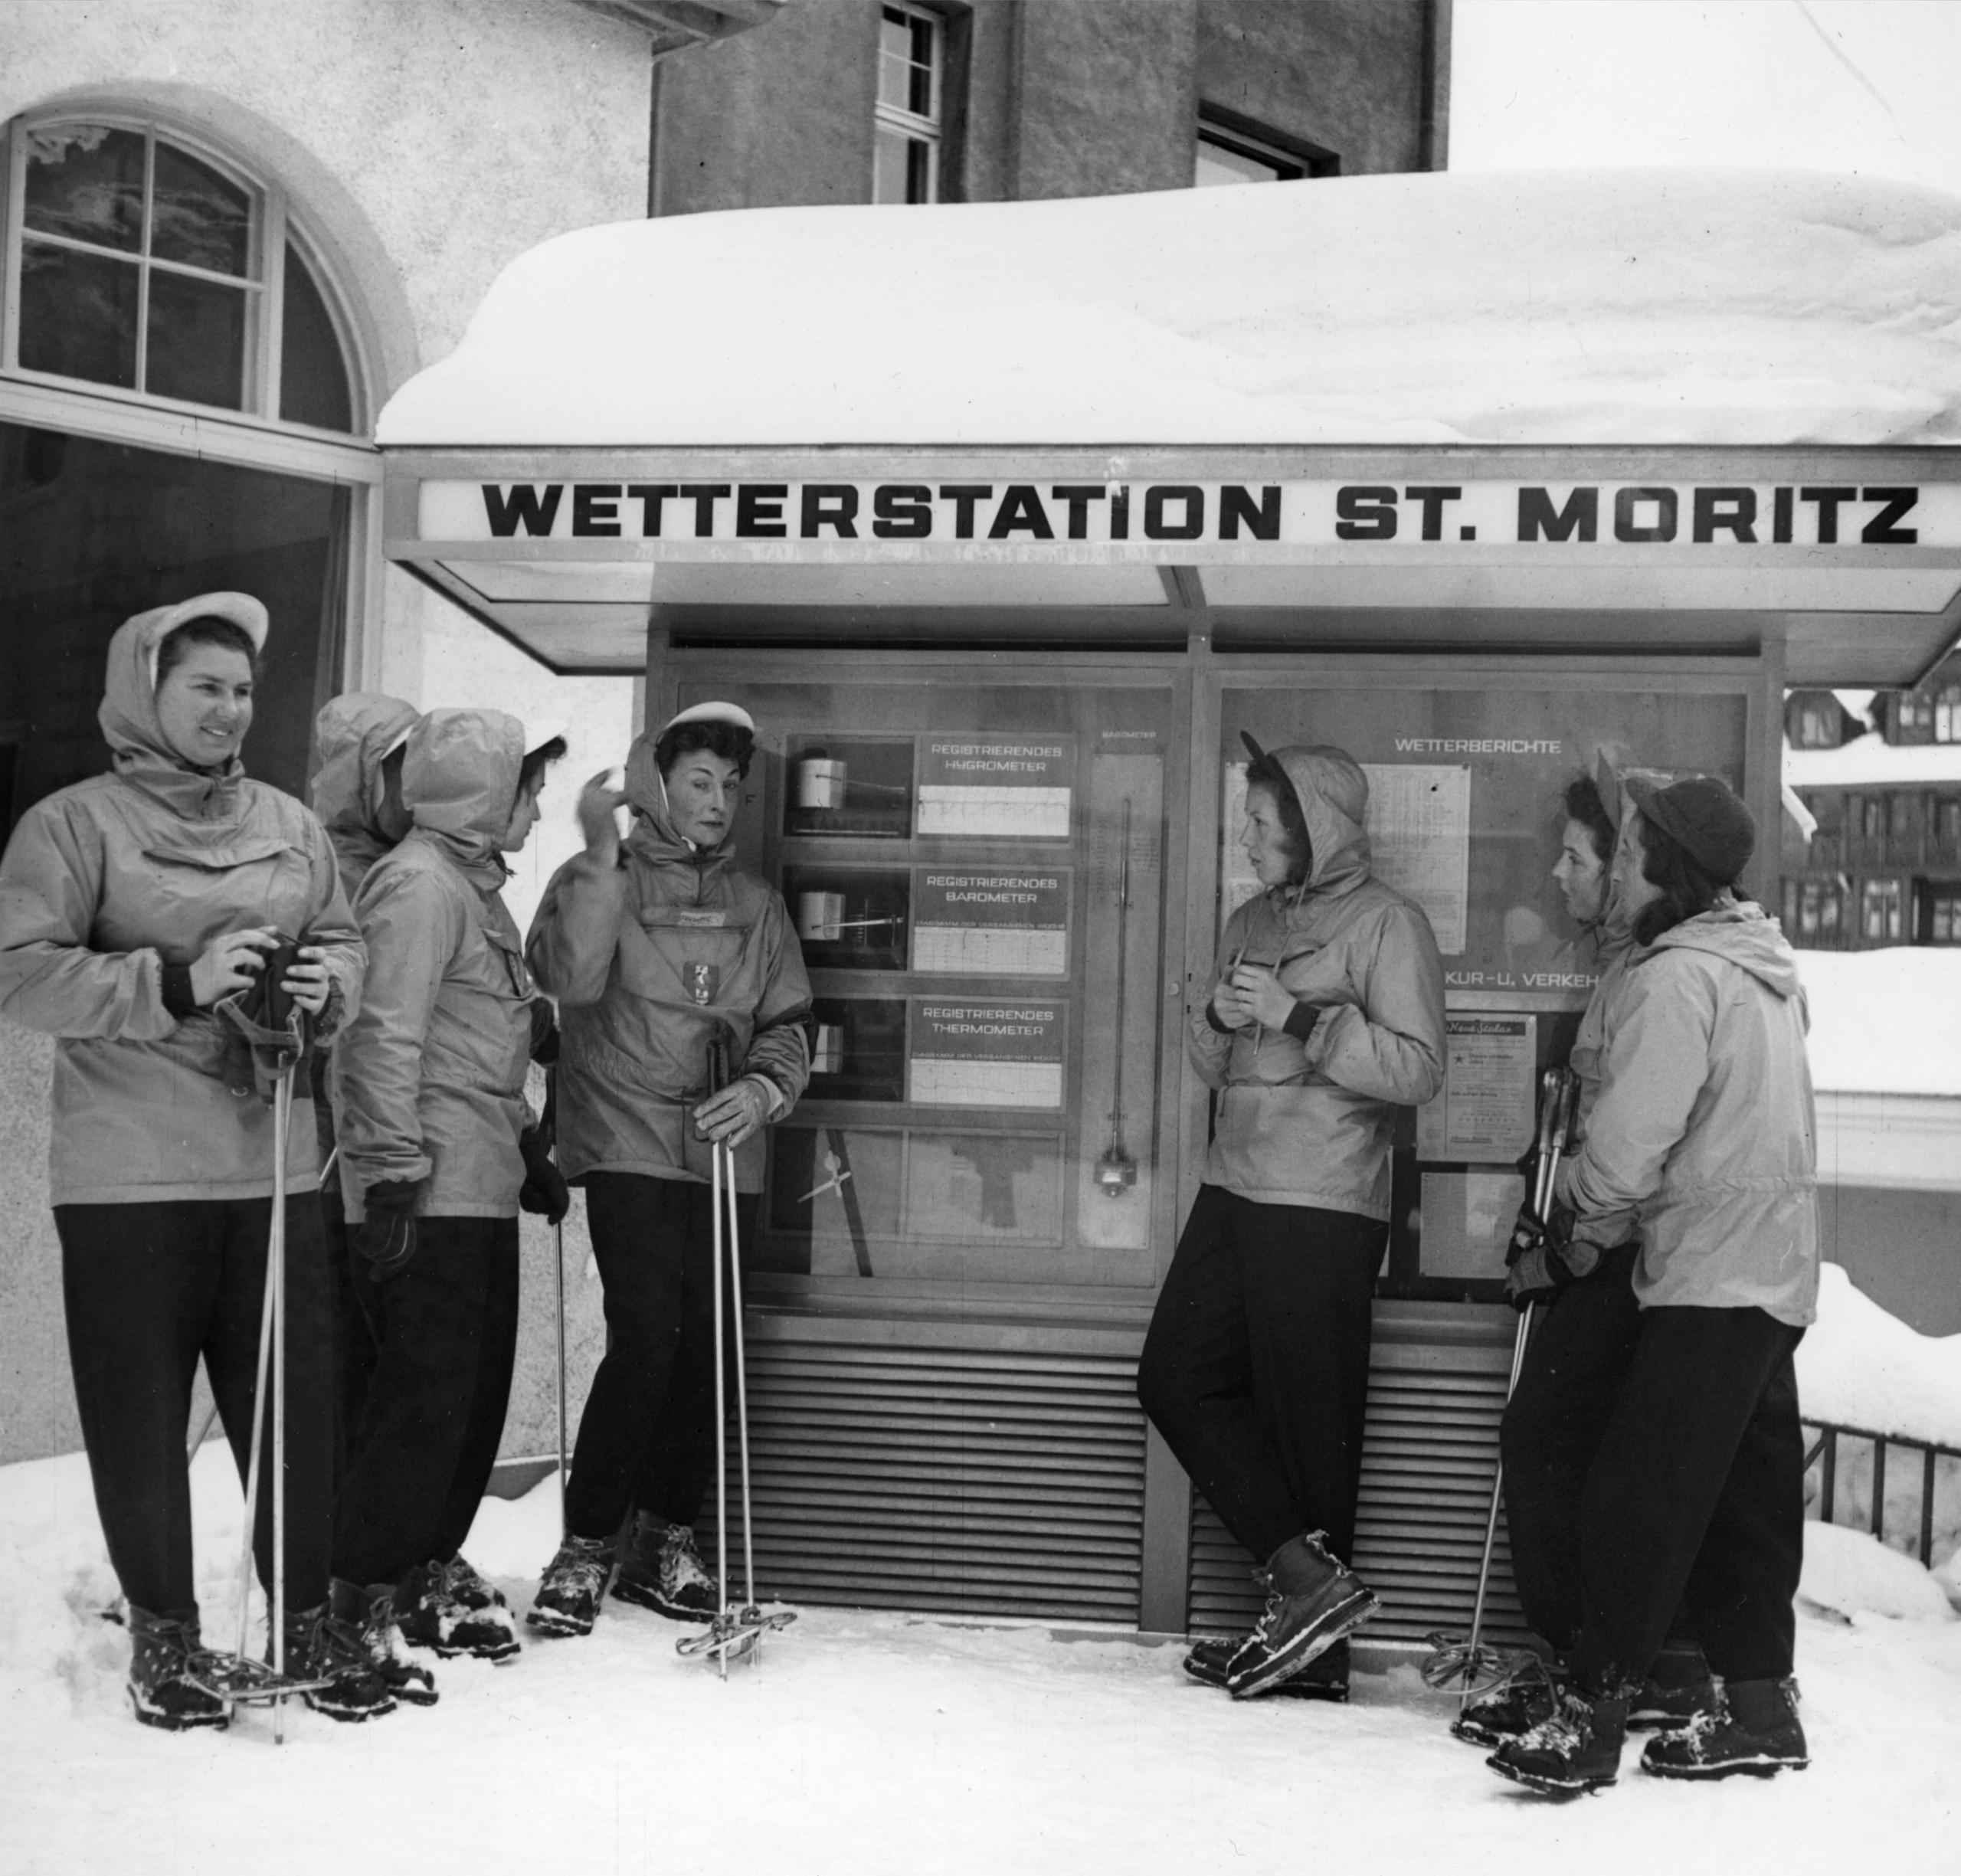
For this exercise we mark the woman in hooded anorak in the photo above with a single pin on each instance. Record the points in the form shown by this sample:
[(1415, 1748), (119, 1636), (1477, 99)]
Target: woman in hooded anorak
[(655, 947), (1325, 1015), (131, 906)]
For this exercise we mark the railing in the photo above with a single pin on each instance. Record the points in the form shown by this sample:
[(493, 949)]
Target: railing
[(1825, 1455)]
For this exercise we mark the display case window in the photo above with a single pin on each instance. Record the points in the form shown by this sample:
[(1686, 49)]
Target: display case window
[(839, 786)]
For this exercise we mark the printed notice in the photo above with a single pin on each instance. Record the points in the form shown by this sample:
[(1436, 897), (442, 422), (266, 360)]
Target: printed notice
[(1419, 840), (991, 924), (1485, 1112), (997, 787), (973, 1054), (1466, 1223)]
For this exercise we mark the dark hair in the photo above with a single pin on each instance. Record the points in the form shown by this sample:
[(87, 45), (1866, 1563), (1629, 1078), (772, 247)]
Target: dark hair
[(531, 773), (204, 630), (1264, 772), (1686, 888), (1584, 805), (716, 734)]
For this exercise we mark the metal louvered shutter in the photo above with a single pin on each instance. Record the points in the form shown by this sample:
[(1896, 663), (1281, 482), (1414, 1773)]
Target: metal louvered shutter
[(1436, 1390), (983, 1474)]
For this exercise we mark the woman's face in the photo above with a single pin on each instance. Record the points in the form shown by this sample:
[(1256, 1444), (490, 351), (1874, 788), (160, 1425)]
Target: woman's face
[(203, 705), (1580, 872), (1265, 838), (1631, 886), (524, 818), (701, 796)]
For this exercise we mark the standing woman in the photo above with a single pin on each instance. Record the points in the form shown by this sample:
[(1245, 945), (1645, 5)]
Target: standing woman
[(1325, 1014), (130, 906), (653, 952)]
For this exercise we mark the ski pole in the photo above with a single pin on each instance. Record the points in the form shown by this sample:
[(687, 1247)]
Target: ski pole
[(742, 1393), (718, 1076), (276, 1256)]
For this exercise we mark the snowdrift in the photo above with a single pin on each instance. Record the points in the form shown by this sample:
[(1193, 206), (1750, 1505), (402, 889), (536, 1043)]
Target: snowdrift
[(1859, 1367)]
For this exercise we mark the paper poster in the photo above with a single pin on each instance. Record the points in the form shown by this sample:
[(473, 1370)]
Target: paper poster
[(1485, 1112), (975, 1054), (1419, 840), (997, 787), (991, 923), (1466, 1223)]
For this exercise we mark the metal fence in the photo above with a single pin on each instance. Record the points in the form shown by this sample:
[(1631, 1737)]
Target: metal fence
[(1824, 1453)]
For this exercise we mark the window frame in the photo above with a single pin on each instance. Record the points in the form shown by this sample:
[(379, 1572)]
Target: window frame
[(1231, 129), (1945, 712), (931, 131)]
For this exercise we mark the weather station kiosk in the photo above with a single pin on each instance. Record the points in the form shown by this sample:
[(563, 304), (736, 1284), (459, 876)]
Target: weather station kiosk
[(1005, 523)]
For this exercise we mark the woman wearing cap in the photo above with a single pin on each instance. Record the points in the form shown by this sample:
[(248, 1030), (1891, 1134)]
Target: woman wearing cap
[(1325, 1014), (655, 947), (1704, 1129), (131, 906), (429, 1092)]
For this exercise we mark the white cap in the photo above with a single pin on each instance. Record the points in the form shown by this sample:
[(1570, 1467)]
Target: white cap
[(546, 729), (241, 609), (711, 713)]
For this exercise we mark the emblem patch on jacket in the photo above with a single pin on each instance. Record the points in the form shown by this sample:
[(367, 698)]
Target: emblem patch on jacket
[(702, 981)]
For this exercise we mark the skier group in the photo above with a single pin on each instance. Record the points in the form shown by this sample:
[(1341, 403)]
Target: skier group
[(184, 931)]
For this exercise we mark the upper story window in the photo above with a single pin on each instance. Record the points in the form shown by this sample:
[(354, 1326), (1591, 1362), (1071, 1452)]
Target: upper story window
[(1817, 723), (906, 163), (1232, 149), (145, 265), (1947, 713), (1913, 716)]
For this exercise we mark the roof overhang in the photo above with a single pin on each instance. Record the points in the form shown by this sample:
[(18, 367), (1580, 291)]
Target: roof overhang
[(673, 25)]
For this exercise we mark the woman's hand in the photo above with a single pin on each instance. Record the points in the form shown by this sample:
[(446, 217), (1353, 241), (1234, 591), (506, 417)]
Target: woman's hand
[(1229, 1006), (732, 1116), (307, 982), (598, 799), (1261, 997), (230, 963)]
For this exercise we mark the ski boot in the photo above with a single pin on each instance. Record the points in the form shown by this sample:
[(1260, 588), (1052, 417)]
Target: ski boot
[(329, 1645), (1751, 1728), (1528, 1695), (568, 1599), (1678, 1687), (1325, 1677), (165, 1655), (448, 1607), (1578, 1749), (1313, 1600), (661, 1569)]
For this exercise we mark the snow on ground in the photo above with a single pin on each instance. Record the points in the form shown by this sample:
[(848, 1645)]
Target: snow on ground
[(1885, 1022), (1859, 1367), (1637, 306), (870, 1743)]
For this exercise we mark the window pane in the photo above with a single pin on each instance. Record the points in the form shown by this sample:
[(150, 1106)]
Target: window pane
[(905, 63), (199, 219), (891, 166), (1220, 165), (919, 94), (313, 377), (78, 314), (197, 341), (85, 180)]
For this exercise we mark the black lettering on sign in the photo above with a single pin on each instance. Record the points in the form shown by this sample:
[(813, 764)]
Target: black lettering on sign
[(1627, 523), (1733, 510), (1780, 516), (1078, 496), (1882, 530), (903, 511), (830, 505), (1190, 526), (1432, 501), (593, 510), (1828, 501), (1538, 520), (650, 496), (1365, 513), (526, 506), (1021, 507), (964, 495), (1120, 513), (705, 495), (1235, 504), (759, 511)]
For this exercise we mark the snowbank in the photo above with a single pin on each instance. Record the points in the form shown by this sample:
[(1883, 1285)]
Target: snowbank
[(1859, 1367), (1637, 306), (1848, 1574), (1870, 761), (1887, 1022)]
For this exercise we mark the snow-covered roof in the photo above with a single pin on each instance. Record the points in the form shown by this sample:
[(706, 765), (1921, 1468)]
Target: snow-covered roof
[(1628, 306), (1871, 761), (1888, 1020)]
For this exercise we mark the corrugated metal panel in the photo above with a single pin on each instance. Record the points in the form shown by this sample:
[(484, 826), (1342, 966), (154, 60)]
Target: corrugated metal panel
[(1426, 1481), (995, 1480)]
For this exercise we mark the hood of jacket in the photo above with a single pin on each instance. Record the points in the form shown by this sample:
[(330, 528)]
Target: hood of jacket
[(1745, 936), (352, 735), (652, 836), (1333, 795), (460, 782), (134, 735)]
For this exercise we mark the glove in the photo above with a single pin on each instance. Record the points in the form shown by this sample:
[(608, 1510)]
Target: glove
[(544, 1031), (543, 1190), (748, 1097), (386, 1237), (1536, 1268)]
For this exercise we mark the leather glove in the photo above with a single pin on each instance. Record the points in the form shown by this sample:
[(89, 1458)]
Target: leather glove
[(544, 1031), (1536, 1261), (543, 1190), (746, 1102), (386, 1237)]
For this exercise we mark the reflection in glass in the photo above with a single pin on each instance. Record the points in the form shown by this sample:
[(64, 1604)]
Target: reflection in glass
[(78, 314), (197, 341), (859, 1052), (312, 375), (86, 182), (198, 218)]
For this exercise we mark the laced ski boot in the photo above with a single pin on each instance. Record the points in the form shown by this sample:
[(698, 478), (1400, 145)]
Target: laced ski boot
[(448, 1607), (1578, 1749), (1313, 1599), (165, 1652), (1751, 1727), (1678, 1687), (329, 1644), (1527, 1696), (661, 1569), (567, 1602), (380, 1627), (1325, 1677)]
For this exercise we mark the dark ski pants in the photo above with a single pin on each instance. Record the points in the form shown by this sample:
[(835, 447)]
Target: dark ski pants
[(445, 1331), (149, 1288), (1697, 1495), (647, 1437), (355, 1350), (1256, 1367)]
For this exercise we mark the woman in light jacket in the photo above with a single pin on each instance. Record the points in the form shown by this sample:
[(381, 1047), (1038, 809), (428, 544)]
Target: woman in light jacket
[(1704, 1129), (130, 906)]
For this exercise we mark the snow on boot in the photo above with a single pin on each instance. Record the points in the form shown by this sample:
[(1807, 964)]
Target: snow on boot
[(568, 1598), (1751, 1728), (1325, 1677), (1578, 1749), (449, 1607), (661, 1570), (1678, 1687), (164, 1653), (329, 1643), (406, 1679), (1526, 1696), (1313, 1599)]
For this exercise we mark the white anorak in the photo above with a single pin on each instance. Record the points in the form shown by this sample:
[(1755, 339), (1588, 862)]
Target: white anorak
[(352, 736)]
